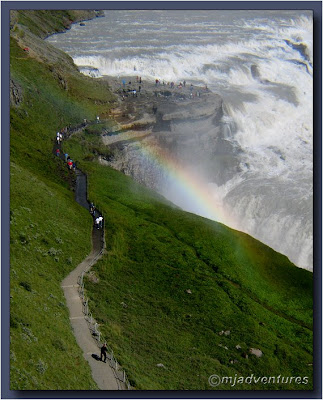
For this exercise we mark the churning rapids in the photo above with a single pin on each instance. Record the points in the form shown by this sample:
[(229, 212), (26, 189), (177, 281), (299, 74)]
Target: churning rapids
[(260, 63)]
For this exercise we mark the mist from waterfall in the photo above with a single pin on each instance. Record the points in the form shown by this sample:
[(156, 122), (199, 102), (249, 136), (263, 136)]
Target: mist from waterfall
[(261, 64)]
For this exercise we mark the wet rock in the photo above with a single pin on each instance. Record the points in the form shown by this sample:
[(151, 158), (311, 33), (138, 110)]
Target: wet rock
[(186, 128), (255, 72)]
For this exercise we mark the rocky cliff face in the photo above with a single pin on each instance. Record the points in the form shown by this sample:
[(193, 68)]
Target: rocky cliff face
[(15, 93), (178, 126)]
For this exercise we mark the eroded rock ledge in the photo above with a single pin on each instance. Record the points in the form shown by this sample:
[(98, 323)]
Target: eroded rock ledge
[(158, 124)]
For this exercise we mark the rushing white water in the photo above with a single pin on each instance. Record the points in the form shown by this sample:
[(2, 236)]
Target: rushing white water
[(260, 62)]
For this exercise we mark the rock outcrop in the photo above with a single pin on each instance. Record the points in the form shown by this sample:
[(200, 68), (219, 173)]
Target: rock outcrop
[(159, 125), (15, 93)]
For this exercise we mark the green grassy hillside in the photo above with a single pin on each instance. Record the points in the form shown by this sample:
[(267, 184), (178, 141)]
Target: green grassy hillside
[(170, 282), (49, 233)]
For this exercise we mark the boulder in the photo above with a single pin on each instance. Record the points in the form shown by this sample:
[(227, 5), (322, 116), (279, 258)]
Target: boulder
[(256, 352)]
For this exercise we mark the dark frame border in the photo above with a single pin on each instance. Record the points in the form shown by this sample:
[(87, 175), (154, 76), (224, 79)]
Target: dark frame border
[(316, 7)]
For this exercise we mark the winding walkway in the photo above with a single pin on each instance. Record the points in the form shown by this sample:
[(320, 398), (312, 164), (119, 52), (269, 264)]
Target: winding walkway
[(102, 373)]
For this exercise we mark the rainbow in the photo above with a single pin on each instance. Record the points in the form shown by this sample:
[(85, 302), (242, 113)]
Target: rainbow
[(200, 197)]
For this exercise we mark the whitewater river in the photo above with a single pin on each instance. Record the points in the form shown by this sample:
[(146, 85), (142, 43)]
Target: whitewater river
[(260, 62)]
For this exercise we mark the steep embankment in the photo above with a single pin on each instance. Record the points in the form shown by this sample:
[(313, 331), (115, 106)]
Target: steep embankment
[(179, 297), (49, 233)]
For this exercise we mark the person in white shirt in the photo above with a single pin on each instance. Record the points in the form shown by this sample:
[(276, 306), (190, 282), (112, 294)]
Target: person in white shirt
[(97, 223), (101, 221)]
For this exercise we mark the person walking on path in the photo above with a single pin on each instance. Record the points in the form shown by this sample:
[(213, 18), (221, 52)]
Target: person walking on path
[(65, 155), (97, 223), (57, 152), (104, 352), (100, 221)]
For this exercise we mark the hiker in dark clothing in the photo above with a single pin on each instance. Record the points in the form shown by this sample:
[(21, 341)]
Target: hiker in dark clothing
[(104, 352)]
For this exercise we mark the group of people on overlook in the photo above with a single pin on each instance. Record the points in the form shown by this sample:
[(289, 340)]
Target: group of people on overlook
[(133, 88)]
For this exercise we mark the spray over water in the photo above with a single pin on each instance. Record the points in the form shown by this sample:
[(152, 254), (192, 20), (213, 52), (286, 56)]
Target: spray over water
[(261, 64)]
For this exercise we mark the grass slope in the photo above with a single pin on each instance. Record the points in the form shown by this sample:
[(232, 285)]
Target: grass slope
[(158, 254), (49, 233)]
